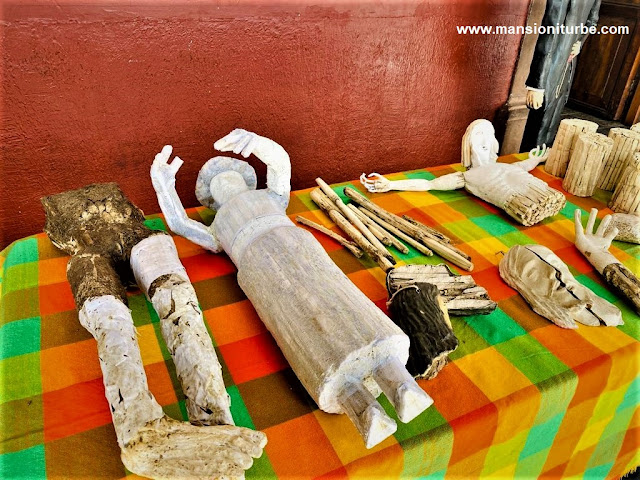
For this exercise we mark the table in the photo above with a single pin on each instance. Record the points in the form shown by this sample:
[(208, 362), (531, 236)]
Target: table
[(521, 397)]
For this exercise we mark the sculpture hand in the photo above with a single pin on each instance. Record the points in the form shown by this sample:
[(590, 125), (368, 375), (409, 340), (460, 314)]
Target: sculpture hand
[(595, 247), (575, 50), (540, 153), (163, 173), (375, 183), (534, 99), (239, 141)]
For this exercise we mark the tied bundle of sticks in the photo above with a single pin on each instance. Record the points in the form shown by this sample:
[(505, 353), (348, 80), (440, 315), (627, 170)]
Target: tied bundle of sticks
[(370, 228)]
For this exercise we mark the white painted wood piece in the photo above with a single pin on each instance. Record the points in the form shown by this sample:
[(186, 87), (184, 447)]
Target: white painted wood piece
[(626, 197), (625, 144), (339, 344), (546, 283), (628, 226)]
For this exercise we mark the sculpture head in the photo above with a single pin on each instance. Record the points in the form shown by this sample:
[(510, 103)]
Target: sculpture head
[(479, 144), (221, 179)]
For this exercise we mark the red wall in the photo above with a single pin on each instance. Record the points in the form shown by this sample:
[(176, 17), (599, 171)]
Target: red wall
[(91, 93)]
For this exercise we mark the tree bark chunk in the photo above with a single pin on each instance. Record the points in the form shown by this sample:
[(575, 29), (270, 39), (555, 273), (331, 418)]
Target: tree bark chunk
[(624, 282), (418, 311)]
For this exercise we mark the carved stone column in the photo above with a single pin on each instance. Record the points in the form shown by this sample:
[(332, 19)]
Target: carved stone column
[(517, 111)]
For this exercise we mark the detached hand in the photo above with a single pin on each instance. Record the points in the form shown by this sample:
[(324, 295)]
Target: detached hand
[(375, 183), (163, 173), (540, 153), (575, 50), (595, 247), (534, 99)]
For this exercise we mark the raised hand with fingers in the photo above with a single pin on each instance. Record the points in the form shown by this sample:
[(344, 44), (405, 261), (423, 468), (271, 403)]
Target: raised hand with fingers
[(595, 248), (245, 143), (163, 173)]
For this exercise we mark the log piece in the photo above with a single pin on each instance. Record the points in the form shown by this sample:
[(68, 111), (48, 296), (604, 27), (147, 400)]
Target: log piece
[(460, 293), (564, 144), (635, 127), (331, 209), (401, 224), (625, 144), (419, 312), (626, 198), (586, 163), (352, 247)]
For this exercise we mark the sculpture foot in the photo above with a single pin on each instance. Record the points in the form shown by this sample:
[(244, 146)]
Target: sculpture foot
[(170, 449), (367, 415)]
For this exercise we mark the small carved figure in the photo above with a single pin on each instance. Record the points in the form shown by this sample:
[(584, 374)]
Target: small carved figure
[(595, 248), (548, 286), (104, 234), (342, 347), (508, 186)]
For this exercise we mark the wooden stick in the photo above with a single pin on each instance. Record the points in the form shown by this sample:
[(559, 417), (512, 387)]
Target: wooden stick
[(428, 230), (352, 247), (333, 196), (441, 249), (373, 226), (387, 226), (332, 210), (375, 229)]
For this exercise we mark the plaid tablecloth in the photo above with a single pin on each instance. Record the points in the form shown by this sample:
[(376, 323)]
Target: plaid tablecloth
[(521, 396)]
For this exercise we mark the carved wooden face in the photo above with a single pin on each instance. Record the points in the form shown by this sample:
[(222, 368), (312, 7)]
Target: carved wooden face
[(484, 146)]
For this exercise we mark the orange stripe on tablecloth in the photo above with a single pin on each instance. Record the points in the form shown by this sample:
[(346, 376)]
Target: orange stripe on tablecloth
[(630, 448), (253, 357), (74, 409), (207, 265), (69, 364), (233, 322), (568, 345), (52, 270), (388, 462), (55, 298), (490, 279)]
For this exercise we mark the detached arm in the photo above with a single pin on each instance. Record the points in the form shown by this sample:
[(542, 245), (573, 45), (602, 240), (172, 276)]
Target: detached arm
[(536, 157), (163, 177), (376, 183), (269, 152), (595, 248)]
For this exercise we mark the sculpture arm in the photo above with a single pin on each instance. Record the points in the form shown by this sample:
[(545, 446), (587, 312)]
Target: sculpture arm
[(163, 178), (595, 247), (376, 183), (536, 157), (269, 152), (555, 13)]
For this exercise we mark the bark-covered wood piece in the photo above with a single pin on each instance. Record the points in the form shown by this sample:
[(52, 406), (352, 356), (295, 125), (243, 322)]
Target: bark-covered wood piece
[(624, 282), (419, 312), (626, 197), (103, 230), (352, 247), (628, 226), (564, 144), (586, 163), (460, 293), (625, 144)]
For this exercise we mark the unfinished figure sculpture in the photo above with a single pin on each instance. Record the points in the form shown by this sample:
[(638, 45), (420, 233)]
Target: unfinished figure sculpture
[(508, 186), (546, 283), (104, 233), (595, 248), (341, 346)]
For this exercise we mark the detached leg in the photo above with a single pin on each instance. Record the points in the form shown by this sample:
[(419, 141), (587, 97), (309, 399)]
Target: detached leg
[(367, 414), (164, 280), (406, 396)]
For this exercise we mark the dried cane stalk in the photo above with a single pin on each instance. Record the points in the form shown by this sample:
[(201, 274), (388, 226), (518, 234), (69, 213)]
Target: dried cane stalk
[(352, 247), (384, 236)]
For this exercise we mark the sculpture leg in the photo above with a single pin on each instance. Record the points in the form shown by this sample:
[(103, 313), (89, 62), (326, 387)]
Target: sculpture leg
[(152, 444), (163, 278)]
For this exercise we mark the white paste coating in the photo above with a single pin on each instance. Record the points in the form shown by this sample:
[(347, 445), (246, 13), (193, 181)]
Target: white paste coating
[(153, 257)]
